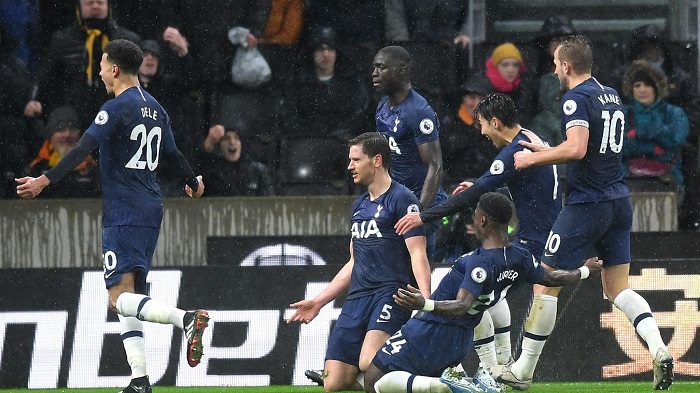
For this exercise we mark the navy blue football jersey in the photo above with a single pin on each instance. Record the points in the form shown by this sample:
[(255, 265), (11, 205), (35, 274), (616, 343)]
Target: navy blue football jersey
[(535, 192), (381, 256), (411, 123), (598, 175), (489, 275), (133, 132)]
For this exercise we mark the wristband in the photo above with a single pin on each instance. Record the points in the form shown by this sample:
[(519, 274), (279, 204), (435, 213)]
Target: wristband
[(585, 272), (429, 305)]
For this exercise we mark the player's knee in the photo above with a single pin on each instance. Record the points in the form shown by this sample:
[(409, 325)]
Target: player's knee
[(338, 383)]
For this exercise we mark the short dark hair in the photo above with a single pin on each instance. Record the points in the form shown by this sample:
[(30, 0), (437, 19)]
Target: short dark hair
[(126, 54), (500, 106), (372, 144), (496, 206), (399, 55), (576, 49)]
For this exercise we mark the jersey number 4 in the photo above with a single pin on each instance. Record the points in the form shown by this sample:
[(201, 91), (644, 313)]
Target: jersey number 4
[(610, 131), (146, 139)]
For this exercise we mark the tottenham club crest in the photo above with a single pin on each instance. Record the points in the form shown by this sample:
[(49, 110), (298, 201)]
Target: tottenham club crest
[(413, 209), (496, 167), (426, 126), (569, 107), (102, 118), (478, 275)]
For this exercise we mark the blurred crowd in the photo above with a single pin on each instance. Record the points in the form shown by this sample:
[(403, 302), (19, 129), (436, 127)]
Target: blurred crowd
[(264, 94)]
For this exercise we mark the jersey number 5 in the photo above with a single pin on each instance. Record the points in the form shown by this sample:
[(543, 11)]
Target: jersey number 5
[(146, 138), (610, 128)]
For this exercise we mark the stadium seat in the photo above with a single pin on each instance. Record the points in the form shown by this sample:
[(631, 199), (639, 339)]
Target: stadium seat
[(313, 166)]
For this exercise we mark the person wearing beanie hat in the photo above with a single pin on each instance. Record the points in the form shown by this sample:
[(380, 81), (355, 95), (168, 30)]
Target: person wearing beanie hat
[(655, 129), (62, 133), (326, 97), (505, 70)]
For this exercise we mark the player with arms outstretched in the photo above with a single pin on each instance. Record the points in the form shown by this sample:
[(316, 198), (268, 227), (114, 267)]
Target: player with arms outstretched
[(597, 211), (380, 262), (132, 132)]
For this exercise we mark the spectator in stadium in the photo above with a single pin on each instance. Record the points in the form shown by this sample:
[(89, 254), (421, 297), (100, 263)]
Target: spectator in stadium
[(358, 24), (655, 129), (410, 124), (62, 135), (380, 262), (466, 153), (650, 43), (17, 108), (548, 118), (69, 72), (226, 168), (169, 75), (327, 97), (507, 72), (414, 356)]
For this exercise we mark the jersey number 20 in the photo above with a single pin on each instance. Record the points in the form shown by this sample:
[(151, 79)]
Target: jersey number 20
[(610, 128), (146, 138)]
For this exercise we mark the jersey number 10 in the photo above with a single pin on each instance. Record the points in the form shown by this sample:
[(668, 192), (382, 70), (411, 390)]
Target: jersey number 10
[(136, 162), (610, 128)]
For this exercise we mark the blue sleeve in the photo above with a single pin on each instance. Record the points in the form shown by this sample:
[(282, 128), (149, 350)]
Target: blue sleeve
[(107, 122), (476, 272), (574, 111), (532, 268), (501, 171), (407, 202), (424, 126)]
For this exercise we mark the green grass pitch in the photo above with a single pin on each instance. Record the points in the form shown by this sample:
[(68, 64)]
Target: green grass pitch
[(587, 387)]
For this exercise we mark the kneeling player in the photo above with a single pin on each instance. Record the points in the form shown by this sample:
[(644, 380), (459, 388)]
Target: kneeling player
[(441, 333)]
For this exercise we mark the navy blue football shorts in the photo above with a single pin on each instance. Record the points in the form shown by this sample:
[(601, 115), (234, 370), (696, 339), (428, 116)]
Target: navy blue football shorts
[(128, 249), (424, 348), (377, 311), (582, 227)]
